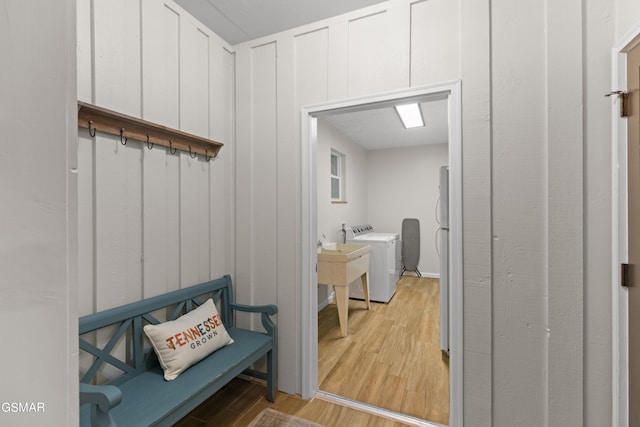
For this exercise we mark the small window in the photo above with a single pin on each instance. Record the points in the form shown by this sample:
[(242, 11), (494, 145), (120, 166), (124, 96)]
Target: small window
[(337, 176)]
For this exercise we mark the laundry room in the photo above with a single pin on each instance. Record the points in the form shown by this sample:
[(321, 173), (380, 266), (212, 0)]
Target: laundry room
[(373, 171)]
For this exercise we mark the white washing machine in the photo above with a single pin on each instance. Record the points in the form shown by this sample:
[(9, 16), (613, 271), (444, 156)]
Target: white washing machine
[(384, 262)]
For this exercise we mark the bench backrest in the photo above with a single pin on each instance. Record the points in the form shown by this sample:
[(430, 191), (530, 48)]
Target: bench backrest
[(120, 342)]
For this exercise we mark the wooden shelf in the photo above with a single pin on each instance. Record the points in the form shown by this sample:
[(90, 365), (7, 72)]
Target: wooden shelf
[(102, 120)]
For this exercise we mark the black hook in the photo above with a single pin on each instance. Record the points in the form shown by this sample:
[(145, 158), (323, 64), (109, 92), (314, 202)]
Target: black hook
[(121, 135), (207, 156), (171, 149), (149, 144), (94, 129), (193, 155)]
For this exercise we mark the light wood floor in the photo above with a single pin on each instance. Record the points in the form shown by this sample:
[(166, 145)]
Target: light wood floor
[(391, 357), (241, 401)]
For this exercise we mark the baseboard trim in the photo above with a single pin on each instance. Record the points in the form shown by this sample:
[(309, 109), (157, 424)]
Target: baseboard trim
[(375, 410), (428, 275), (328, 301), (431, 275)]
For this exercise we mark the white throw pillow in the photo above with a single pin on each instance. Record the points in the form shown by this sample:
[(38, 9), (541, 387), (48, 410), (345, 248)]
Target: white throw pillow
[(185, 341)]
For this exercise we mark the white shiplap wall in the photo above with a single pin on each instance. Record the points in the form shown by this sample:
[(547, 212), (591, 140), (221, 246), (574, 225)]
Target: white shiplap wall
[(151, 221)]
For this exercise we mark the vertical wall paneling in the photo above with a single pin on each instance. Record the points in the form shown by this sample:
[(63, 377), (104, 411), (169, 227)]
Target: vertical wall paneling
[(194, 192), (173, 225), (215, 196), (244, 178), (160, 103), (519, 212), (156, 225), (599, 220), (189, 223), (111, 264), (171, 180), (160, 63), (565, 248), (398, 46), (85, 224), (288, 186), (85, 234), (475, 72), (368, 54), (264, 108), (311, 54), (337, 61), (204, 221), (117, 55), (221, 196), (435, 40), (194, 80), (146, 214), (133, 223), (203, 115), (118, 169), (110, 187), (228, 247), (84, 41)]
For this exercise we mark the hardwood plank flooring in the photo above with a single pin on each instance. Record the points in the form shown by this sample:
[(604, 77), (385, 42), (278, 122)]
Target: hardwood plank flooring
[(240, 401), (391, 357)]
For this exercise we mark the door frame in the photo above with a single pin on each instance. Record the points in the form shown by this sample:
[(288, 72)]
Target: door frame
[(308, 293), (619, 244)]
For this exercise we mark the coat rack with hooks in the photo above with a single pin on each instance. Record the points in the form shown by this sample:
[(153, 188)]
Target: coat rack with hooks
[(126, 127)]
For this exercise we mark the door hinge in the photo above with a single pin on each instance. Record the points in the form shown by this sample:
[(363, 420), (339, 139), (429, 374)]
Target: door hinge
[(624, 98), (624, 275)]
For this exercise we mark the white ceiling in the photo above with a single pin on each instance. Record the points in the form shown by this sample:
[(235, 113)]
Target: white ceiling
[(237, 21), (380, 127), (373, 127)]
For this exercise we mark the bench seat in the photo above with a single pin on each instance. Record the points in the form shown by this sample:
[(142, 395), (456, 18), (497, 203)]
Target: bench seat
[(141, 396), (145, 393)]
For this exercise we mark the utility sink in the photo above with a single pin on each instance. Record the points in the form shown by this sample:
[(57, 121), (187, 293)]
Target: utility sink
[(341, 266), (343, 252)]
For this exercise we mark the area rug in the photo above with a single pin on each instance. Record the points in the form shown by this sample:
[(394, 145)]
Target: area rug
[(272, 418)]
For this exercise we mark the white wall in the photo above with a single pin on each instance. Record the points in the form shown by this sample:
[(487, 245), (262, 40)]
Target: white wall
[(38, 211), (151, 221), (403, 183), (354, 211)]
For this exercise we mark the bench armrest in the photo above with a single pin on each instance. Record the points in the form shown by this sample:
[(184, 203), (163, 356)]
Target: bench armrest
[(265, 310), (102, 398)]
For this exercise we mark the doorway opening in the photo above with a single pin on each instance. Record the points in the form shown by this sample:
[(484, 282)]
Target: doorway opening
[(311, 120)]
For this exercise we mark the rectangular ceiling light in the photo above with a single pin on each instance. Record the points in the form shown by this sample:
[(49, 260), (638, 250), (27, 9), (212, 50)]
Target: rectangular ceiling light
[(410, 115)]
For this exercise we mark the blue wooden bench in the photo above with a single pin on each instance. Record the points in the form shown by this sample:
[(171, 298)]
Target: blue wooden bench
[(140, 396)]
